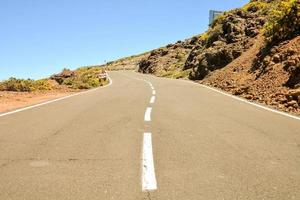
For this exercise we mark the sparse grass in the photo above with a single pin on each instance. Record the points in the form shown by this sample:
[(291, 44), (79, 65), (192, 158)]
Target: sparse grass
[(180, 57), (174, 71), (177, 74), (182, 74)]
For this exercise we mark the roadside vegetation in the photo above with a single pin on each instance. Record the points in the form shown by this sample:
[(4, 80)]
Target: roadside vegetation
[(252, 51), (283, 21), (82, 78), (24, 85)]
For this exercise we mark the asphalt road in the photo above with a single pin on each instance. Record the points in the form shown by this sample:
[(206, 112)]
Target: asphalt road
[(145, 137)]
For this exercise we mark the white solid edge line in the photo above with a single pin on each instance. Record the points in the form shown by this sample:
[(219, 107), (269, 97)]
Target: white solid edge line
[(55, 100), (147, 117), (152, 100), (153, 92), (235, 97), (249, 102), (148, 171)]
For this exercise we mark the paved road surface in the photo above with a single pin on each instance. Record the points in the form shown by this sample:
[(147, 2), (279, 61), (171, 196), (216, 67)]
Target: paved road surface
[(127, 141)]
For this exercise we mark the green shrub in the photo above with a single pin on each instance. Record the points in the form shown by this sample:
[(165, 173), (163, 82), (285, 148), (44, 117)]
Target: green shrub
[(83, 78), (93, 82), (42, 84), (284, 21), (24, 85), (256, 5), (17, 85), (75, 83)]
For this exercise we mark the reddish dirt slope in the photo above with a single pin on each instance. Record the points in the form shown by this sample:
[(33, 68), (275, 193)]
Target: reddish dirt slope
[(14, 100), (265, 80)]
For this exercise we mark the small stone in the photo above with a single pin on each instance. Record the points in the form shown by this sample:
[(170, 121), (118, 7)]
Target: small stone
[(293, 103), (282, 100), (297, 86), (291, 63), (248, 96), (289, 97), (291, 51), (273, 51), (294, 94), (276, 58)]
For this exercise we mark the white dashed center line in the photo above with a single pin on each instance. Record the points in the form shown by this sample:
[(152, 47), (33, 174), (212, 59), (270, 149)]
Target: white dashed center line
[(148, 176), (152, 100), (149, 182), (147, 117)]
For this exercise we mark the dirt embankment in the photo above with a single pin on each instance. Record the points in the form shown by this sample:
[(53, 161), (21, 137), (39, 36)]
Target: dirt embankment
[(272, 80), (14, 100)]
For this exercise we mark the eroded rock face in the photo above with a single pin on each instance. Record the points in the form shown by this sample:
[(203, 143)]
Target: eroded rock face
[(145, 66), (225, 43)]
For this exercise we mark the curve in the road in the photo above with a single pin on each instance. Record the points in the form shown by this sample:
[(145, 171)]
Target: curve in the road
[(149, 182)]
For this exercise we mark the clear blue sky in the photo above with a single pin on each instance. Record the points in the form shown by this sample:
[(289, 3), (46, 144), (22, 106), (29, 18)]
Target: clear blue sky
[(40, 37)]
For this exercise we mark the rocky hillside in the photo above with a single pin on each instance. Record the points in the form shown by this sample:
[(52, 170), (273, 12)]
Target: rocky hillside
[(253, 52), (127, 63), (169, 61), (228, 38), (81, 78)]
